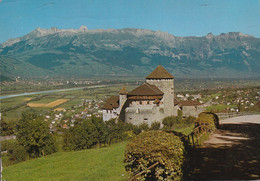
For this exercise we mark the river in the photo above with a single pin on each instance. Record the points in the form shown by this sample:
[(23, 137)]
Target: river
[(48, 91)]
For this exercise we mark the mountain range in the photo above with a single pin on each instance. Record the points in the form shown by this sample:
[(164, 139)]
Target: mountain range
[(83, 53)]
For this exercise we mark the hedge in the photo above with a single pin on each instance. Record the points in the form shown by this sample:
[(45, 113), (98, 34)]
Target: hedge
[(149, 148), (208, 120)]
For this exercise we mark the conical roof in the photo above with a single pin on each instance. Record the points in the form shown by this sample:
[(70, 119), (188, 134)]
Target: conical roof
[(123, 91), (159, 73)]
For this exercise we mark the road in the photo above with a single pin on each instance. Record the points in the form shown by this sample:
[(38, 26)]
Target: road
[(231, 153)]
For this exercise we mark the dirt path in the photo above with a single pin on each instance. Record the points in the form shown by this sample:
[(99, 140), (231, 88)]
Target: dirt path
[(231, 153)]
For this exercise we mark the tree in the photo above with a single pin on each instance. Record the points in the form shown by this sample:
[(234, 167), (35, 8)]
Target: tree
[(83, 135), (33, 133), (101, 129), (7, 128), (116, 130)]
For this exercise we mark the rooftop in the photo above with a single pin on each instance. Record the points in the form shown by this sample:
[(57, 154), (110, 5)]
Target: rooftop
[(189, 103), (146, 90), (160, 73), (112, 102)]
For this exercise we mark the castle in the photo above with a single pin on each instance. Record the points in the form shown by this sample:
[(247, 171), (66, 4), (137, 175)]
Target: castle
[(151, 101)]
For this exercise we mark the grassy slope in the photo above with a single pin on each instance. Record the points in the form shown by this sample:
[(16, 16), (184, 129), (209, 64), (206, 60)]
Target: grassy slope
[(220, 107), (94, 164)]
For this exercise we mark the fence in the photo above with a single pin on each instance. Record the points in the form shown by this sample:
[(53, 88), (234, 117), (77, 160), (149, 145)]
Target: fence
[(222, 116)]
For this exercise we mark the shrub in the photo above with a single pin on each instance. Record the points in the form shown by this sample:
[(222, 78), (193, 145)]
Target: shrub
[(168, 121), (7, 128), (151, 147), (207, 122), (171, 121), (144, 126), (16, 153), (136, 129), (189, 120), (155, 125)]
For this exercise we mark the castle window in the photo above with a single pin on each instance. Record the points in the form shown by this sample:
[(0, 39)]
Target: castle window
[(130, 119), (140, 102), (146, 120)]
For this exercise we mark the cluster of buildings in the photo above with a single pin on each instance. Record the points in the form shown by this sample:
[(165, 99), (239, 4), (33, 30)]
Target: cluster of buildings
[(152, 101), (65, 118), (243, 99)]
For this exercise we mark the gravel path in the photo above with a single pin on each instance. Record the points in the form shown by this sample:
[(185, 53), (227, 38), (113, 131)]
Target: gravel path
[(231, 153)]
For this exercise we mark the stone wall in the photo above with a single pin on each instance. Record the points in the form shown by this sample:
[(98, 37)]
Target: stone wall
[(137, 113), (110, 114), (167, 87), (192, 110)]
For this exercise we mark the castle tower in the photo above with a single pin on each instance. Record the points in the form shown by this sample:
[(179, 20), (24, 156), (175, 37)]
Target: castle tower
[(122, 97), (162, 79)]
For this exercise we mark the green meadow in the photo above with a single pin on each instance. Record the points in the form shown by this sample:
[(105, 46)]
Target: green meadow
[(219, 107), (94, 164)]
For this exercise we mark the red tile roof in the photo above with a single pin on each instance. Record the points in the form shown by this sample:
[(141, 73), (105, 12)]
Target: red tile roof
[(159, 73), (112, 102), (146, 90)]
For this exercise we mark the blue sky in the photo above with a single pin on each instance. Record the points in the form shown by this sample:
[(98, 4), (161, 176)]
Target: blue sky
[(178, 17)]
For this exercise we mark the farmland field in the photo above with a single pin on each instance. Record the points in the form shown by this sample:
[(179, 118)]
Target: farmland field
[(47, 102), (50, 104)]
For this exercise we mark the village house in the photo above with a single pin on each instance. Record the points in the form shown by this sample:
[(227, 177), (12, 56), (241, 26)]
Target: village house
[(190, 108), (150, 102)]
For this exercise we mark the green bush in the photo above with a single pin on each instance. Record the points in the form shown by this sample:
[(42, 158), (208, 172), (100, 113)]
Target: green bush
[(151, 147), (16, 153), (173, 122), (136, 130), (155, 125), (189, 120), (207, 121), (7, 128), (144, 126), (169, 121)]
